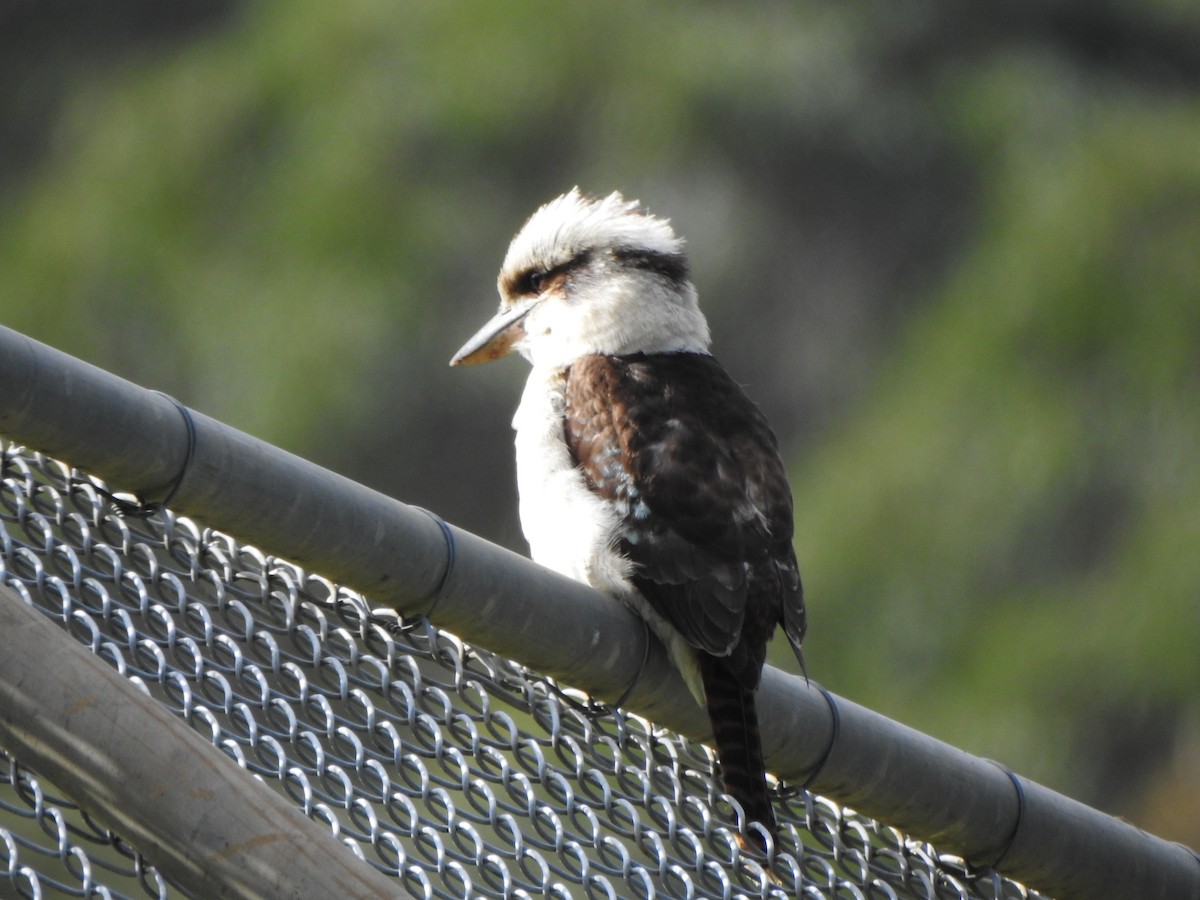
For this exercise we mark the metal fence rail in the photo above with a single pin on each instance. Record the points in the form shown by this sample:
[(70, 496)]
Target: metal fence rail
[(443, 764), (450, 769)]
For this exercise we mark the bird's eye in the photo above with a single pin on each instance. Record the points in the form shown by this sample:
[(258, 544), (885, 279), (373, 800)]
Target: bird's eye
[(536, 281)]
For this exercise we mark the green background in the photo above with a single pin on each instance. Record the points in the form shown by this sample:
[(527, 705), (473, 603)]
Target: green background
[(953, 249)]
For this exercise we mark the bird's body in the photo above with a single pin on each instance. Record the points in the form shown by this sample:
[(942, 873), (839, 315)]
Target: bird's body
[(642, 467)]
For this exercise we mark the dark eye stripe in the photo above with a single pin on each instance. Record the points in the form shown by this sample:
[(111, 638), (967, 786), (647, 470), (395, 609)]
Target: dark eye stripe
[(534, 281), (672, 266)]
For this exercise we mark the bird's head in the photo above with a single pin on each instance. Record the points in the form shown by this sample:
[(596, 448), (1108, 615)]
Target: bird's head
[(587, 276)]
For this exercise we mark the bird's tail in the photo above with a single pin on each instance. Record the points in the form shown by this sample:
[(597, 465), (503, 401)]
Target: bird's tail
[(734, 720)]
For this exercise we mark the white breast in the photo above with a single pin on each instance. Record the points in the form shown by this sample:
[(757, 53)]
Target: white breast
[(571, 529)]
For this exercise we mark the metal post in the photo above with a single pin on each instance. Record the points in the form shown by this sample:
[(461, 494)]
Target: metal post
[(207, 824)]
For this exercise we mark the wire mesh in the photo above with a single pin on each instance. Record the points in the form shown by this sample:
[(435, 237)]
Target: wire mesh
[(453, 770)]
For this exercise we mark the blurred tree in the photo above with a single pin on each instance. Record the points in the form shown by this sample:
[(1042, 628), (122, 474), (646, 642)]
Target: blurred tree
[(951, 248), (1022, 482)]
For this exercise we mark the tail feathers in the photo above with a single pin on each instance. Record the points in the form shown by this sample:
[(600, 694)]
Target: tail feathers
[(734, 721)]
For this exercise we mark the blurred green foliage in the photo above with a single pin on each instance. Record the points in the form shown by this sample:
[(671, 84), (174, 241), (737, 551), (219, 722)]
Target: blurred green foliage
[(954, 251), (1009, 521)]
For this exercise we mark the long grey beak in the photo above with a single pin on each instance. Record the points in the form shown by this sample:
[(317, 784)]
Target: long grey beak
[(494, 340)]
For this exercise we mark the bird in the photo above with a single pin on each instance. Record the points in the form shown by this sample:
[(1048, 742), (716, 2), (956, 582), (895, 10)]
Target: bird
[(643, 468)]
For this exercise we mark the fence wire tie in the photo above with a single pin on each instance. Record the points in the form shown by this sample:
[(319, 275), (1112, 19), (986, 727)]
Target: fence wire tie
[(140, 509), (637, 676), (835, 718), (1012, 835), (595, 709), (448, 538)]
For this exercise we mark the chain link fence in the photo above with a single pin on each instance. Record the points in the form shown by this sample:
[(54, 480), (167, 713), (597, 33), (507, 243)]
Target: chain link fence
[(453, 771)]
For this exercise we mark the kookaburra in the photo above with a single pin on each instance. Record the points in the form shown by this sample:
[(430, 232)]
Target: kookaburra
[(642, 467)]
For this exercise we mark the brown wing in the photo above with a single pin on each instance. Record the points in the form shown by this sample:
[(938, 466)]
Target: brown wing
[(695, 473)]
